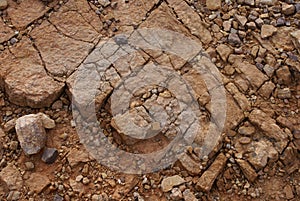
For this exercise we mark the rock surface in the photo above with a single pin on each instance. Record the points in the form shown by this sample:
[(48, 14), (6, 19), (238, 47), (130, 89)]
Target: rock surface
[(12, 177), (168, 183), (31, 132), (208, 177)]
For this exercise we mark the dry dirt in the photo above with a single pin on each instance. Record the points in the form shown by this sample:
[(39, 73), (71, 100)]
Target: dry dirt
[(255, 45)]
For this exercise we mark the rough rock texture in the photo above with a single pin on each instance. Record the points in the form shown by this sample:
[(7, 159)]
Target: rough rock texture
[(252, 74), (168, 183), (248, 171), (189, 164), (11, 177), (209, 176), (37, 182), (5, 32), (31, 132), (213, 4), (267, 31), (77, 21), (25, 12), (191, 19), (24, 78), (55, 48), (270, 128), (296, 39)]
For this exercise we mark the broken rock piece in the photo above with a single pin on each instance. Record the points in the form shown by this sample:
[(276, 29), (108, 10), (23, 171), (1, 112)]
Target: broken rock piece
[(31, 132), (49, 155), (208, 178), (168, 183)]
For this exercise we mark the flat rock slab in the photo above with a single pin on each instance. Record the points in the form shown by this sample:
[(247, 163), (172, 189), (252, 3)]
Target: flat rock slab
[(78, 21), (168, 183), (24, 78), (12, 177), (37, 182), (25, 11), (5, 32), (208, 178)]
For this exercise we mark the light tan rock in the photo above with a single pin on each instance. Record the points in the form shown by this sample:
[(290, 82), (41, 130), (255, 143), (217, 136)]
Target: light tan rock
[(168, 183), (24, 12), (12, 177), (267, 31), (192, 20), (224, 51), (37, 182), (296, 39), (31, 134), (213, 4), (189, 164), (248, 171), (209, 176)]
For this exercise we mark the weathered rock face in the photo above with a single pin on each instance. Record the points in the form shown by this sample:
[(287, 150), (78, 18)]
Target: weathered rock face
[(12, 177), (5, 32), (208, 177), (31, 132), (25, 12), (3, 4), (37, 182), (168, 183), (296, 39), (24, 78), (55, 48)]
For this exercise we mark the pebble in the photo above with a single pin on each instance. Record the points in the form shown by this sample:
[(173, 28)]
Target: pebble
[(234, 40), (29, 165), (85, 181), (267, 31), (168, 183), (49, 155), (3, 4), (176, 194)]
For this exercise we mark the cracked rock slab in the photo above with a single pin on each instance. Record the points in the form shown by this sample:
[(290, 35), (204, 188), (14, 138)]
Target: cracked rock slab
[(5, 32), (24, 78), (252, 74), (25, 11), (78, 23), (61, 54), (191, 19)]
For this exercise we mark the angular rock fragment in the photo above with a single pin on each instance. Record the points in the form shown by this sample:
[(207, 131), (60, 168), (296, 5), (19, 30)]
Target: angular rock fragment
[(209, 176), (189, 164), (252, 74), (248, 171), (213, 4), (270, 128), (31, 132), (267, 31), (224, 51), (267, 89), (3, 4), (49, 155), (37, 182), (296, 39), (77, 156), (263, 152), (189, 196), (11, 177), (168, 183)]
